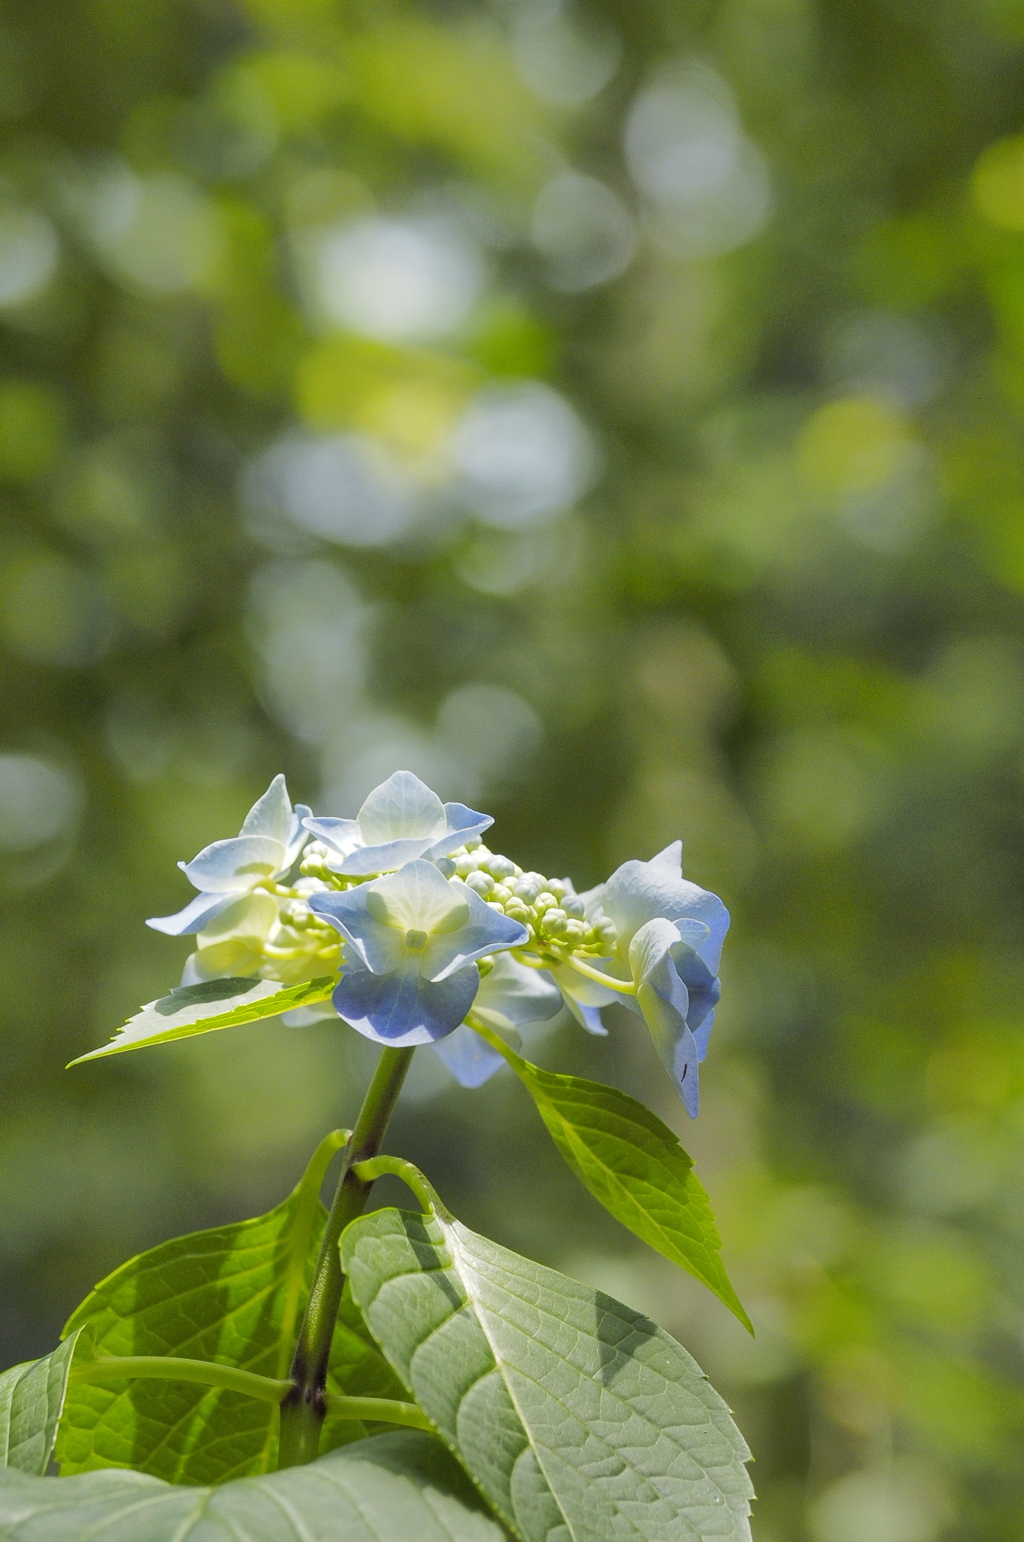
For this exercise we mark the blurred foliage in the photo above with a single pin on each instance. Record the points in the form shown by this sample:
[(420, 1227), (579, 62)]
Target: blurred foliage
[(613, 412)]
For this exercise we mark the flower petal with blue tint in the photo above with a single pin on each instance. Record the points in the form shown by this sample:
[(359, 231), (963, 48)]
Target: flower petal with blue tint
[(234, 864), (664, 1000), (463, 824), (399, 821), (199, 912), (584, 997), (271, 815), (341, 835), (402, 1009), (638, 892), (416, 912), (469, 1058), (399, 808), (298, 835), (378, 948), (512, 995), (382, 859)]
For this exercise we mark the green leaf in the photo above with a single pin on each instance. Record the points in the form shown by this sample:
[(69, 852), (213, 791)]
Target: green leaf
[(400, 1487), (579, 1419), (232, 1294), (634, 1165), (190, 1009), (31, 1400)]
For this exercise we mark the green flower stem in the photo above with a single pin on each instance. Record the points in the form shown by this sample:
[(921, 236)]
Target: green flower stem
[(398, 1167), (381, 1410), (304, 1407), (627, 987), (167, 1368)]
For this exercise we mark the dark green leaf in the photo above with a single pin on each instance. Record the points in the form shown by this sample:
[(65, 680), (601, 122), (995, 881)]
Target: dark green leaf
[(234, 1295), (192, 1009), (31, 1400), (634, 1165), (579, 1419), (400, 1487)]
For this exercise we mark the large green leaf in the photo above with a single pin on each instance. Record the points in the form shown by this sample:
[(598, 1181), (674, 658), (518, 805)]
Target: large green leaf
[(31, 1400), (401, 1487), (579, 1419), (233, 1295), (635, 1166), (191, 1009)]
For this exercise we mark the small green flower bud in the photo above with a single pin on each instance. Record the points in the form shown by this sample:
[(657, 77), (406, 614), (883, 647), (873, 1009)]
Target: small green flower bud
[(556, 887), (575, 932), (501, 894), (555, 922), (574, 907), (481, 882), (445, 866), (465, 864), (502, 867), (527, 888), (517, 911), (544, 901)]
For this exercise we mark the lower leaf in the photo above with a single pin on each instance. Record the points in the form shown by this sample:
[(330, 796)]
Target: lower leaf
[(633, 1164), (390, 1488), (578, 1418), (232, 1294), (31, 1402), (191, 1009)]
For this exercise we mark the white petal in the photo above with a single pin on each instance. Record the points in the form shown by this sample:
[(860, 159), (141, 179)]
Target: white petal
[(403, 806), (272, 814)]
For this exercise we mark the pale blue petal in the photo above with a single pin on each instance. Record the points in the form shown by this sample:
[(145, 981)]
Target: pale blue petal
[(271, 815), (637, 892), (418, 897), (386, 858), (341, 835), (298, 835), (469, 1058), (703, 989), (403, 1009), (584, 998), (196, 914), (486, 931), (510, 994), (464, 824), (380, 948), (702, 1035), (664, 999), (234, 865), (403, 806)]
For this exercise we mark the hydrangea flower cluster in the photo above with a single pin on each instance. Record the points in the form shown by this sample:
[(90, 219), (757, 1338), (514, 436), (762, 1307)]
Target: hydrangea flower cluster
[(430, 931)]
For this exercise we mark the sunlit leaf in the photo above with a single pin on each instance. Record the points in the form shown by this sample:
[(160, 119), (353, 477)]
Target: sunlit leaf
[(399, 1487), (634, 1165), (577, 1417), (31, 1400), (191, 1009), (232, 1294)]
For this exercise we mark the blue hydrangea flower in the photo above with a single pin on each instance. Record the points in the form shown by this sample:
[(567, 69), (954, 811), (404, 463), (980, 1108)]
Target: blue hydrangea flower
[(270, 840), (668, 944), (510, 997), (412, 941), (400, 821)]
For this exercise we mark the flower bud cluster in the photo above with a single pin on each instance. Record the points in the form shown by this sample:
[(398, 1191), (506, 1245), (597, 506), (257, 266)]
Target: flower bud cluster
[(548, 907)]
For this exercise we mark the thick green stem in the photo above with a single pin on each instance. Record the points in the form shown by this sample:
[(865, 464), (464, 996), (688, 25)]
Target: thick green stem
[(381, 1410), (168, 1368), (303, 1410)]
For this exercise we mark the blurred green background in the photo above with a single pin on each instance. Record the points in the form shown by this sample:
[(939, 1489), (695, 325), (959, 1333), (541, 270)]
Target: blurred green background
[(612, 410)]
